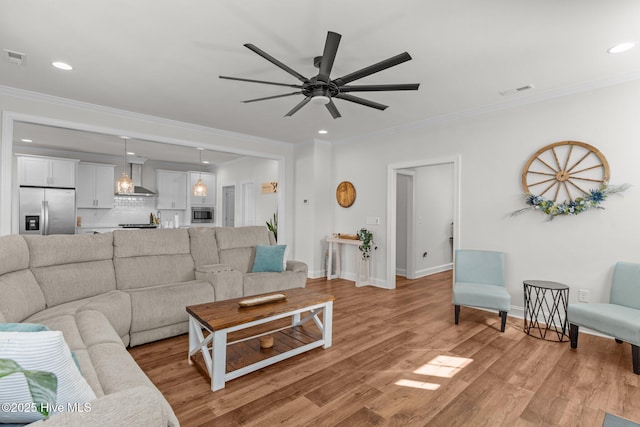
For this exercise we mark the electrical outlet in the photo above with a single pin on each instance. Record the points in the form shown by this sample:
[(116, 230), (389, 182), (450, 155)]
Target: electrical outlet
[(373, 220), (583, 295)]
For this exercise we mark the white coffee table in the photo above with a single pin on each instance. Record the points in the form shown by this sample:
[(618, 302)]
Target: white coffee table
[(223, 317)]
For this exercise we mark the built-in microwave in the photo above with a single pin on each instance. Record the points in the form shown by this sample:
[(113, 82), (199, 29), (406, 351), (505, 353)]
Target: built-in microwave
[(202, 214)]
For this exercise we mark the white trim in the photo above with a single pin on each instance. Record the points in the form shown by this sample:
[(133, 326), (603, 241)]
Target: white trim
[(392, 171), (434, 270)]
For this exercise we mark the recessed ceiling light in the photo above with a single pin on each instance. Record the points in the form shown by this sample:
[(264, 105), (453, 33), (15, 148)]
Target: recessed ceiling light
[(130, 153), (323, 131), (62, 66), (125, 137), (26, 140), (622, 47), (206, 162)]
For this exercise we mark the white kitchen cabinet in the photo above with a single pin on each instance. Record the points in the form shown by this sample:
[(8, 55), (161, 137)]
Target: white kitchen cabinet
[(40, 171), (96, 186), (209, 180), (172, 189)]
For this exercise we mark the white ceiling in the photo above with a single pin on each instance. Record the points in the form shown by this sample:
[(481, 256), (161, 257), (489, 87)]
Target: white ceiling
[(163, 58)]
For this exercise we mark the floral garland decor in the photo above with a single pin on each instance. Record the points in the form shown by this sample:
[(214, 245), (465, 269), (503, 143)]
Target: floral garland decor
[(581, 204)]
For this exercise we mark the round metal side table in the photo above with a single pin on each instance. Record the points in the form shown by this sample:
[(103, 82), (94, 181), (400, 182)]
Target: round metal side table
[(545, 309)]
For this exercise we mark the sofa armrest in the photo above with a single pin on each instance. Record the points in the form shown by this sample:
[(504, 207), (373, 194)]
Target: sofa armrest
[(226, 282), (298, 267), (136, 406)]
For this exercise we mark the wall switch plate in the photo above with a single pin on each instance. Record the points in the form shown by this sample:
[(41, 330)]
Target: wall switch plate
[(583, 295), (374, 220)]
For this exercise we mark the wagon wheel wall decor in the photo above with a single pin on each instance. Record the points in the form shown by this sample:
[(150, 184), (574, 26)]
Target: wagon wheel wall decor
[(564, 171)]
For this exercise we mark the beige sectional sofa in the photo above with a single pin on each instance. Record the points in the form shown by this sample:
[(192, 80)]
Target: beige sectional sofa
[(129, 287)]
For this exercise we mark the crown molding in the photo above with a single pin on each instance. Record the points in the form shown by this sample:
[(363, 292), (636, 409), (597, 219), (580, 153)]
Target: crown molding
[(66, 102)]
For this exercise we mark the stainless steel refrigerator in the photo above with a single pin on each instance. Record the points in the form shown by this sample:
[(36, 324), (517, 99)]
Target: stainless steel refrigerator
[(47, 210)]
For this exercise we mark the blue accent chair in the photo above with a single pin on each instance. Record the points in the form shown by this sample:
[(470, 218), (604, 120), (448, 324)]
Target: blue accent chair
[(479, 282), (620, 318)]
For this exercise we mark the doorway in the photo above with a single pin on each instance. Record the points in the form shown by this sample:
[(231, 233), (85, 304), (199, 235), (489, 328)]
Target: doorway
[(435, 182), (228, 205)]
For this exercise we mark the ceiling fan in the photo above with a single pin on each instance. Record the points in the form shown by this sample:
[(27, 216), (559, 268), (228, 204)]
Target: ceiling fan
[(321, 89)]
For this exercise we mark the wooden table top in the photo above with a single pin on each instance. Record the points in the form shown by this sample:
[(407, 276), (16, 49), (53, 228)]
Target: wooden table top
[(225, 314)]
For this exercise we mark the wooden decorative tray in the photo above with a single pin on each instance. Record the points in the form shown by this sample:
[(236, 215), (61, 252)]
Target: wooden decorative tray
[(265, 299), (348, 236)]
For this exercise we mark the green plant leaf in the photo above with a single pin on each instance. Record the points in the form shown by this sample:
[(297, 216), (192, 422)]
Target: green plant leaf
[(8, 367), (43, 387)]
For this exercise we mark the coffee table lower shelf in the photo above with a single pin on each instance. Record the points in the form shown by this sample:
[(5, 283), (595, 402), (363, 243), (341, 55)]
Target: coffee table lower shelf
[(213, 347)]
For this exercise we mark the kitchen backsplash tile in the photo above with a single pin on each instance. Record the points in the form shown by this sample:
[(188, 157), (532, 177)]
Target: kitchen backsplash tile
[(126, 210)]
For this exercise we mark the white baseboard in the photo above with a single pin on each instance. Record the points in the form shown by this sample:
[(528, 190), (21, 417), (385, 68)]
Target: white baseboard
[(433, 270)]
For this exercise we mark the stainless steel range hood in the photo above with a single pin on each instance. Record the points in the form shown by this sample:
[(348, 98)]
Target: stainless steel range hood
[(135, 169)]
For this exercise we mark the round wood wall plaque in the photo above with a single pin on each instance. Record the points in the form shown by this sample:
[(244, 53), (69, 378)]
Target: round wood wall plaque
[(345, 194)]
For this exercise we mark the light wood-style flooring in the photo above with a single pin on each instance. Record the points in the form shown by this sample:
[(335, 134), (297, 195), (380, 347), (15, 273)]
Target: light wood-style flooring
[(398, 360)]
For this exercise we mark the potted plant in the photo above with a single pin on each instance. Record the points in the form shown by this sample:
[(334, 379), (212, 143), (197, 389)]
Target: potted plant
[(367, 245), (272, 225)]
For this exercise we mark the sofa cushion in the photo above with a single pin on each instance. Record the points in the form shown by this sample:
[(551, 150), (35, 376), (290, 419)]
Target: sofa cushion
[(242, 237), (69, 249), (204, 248), (152, 257), (70, 282), (269, 259), (21, 296), (14, 254), (164, 305), (72, 267), (40, 351), (260, 283), (145, 271), (240, 259), (115, 305), (135, 243)]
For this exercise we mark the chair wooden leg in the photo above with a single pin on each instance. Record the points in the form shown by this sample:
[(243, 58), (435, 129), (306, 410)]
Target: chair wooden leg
[(573, 335), (635, 355), (619, 341), (503, 320), (457, 313)]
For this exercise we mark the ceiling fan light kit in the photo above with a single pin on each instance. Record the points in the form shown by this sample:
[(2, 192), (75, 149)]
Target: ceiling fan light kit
[(320, 89)]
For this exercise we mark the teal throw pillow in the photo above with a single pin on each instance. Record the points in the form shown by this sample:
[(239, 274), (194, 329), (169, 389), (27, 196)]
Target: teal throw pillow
[(22, 327), (269, 258)]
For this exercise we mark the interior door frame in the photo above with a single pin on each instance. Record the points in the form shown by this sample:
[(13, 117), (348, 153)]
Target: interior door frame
[(392, 177)]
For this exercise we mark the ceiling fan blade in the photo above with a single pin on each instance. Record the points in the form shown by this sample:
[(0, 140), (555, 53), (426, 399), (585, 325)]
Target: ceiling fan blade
[(329, 55), (277, 63), (361, 101), (333, 109), (260, 81), (299, 106), (272, 97), (377, 88), (371, 69)]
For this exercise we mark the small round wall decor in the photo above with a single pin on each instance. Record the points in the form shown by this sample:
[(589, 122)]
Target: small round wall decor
[(345, 194), (567, 178)]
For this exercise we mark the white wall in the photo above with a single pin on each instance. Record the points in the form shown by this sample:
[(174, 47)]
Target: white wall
[(493, 147), (314, 193), (245, 170), (434, 215)]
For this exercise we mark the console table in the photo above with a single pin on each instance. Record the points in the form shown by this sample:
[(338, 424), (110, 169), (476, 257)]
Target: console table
[(548, 300), (337, 242)]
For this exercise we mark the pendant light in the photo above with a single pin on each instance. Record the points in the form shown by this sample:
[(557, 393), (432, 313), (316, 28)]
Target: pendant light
[(200, 189), (124, 185)]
